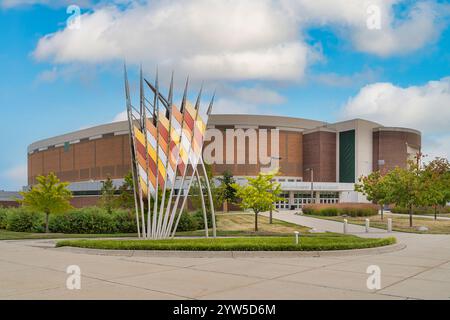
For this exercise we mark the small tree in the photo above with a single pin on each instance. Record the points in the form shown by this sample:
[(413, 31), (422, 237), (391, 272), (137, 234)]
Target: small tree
[(49, 196), (374, 187), (194, 192), (108, 191), (405, 188), (259, 194), (125, 199), (226, 191), (435, 182)]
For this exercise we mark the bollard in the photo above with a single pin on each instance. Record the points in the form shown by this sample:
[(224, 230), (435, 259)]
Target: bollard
[(296, 236), (345, 225), (367, 225), (389, 226)]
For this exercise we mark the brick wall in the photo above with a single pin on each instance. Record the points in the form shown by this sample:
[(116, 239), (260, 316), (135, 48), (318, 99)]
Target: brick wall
[(319, 153), (83, 161), (391, 146)]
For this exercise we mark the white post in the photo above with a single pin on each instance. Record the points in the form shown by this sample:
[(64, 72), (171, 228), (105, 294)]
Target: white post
[(389, 226), (296, 236), (345, 225), (367, 225)]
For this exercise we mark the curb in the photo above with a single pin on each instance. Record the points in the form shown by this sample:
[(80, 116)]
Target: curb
[(233, 254)]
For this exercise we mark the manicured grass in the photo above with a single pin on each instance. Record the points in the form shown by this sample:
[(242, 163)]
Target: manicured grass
[(314, 243), (243, 224), (12, 235), (445, 215), (399, 223)]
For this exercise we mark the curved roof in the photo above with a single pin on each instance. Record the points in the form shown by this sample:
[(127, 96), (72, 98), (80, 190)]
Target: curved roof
[(121, 127), (398, 129), (263, 120), (238, 120)]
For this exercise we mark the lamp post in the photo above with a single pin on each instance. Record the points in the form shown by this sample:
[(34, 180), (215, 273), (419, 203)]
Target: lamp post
[(312, 183)]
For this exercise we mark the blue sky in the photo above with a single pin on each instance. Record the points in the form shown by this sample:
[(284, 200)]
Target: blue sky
[(298, 58)]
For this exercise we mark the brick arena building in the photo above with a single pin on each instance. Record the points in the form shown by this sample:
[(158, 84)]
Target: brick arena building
[(333, 154)]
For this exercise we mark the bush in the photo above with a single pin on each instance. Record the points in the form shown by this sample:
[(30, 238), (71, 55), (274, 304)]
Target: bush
[(198, 217), (93, 220), (125, 221), (22, 220), (187, 222), (341, 209), (3, 216)]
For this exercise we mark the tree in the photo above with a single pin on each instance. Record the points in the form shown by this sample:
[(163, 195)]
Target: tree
[(125, 199), (226, 191), (374, 187), (404, 187), (49, 196), (259, 194), (108, 191), (435, 182), (194, 191)]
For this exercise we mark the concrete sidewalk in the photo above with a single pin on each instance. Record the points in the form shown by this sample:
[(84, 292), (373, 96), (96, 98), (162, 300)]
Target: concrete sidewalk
[(31, 269), (328, 225)]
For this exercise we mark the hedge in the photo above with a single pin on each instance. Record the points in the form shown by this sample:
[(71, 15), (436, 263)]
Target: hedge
[(193, 221), (342, 209), (235, 244), (23, 220), (91, 220)]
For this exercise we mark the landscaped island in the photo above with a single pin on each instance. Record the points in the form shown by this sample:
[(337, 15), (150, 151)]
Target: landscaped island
[(317, 242)]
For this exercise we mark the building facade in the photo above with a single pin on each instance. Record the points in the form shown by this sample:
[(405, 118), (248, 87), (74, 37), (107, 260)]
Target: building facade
[(333, 155)]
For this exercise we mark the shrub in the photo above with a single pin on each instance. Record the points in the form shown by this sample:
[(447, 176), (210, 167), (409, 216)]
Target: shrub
[(125, 221), (198, 217), (85, 221), (3, 216), (187, 222), (22, 220), (341, 209)]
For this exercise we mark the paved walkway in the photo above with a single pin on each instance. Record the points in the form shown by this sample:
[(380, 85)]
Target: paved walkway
[(328, 225), (31, 269)]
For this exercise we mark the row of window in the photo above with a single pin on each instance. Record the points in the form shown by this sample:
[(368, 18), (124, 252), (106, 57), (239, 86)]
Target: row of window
[(304, 198)]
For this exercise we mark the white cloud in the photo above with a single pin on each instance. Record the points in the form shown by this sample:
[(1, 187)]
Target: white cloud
[(231, 106), (398, 37), (426, 108), (414, 29), (232, 40), (436, 147), (48, 75), (257, 95), (16, 176), (356, 79)]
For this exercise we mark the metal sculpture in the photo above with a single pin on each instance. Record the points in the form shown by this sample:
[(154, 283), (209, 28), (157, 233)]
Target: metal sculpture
[(166, 153)]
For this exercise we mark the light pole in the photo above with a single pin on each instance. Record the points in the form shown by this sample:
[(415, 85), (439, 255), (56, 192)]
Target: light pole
[(312, 183)]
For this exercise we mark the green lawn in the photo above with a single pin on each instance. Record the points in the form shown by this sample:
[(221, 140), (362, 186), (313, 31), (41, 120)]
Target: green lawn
[(307, 243), (243, 224), (399, 223)]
